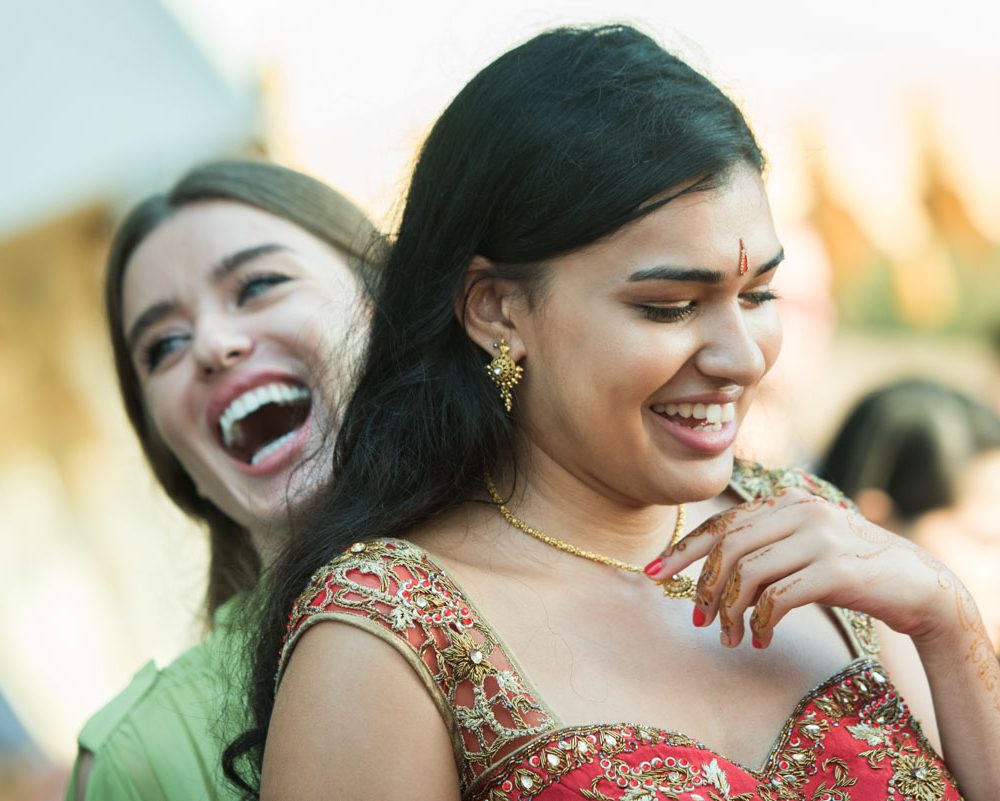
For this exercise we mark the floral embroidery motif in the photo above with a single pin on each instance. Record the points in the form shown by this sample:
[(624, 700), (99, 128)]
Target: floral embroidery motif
[(394, 585), (469, 658), (852, 738), (916, 776)]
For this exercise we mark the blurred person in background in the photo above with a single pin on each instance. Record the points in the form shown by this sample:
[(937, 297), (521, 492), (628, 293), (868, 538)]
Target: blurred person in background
[(923, 460), (235, 307)]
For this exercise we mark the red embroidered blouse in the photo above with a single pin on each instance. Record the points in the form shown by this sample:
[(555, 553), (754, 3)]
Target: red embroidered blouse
[(850, 739)]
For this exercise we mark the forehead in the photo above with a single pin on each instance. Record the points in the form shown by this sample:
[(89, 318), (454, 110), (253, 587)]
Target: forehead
[(699, 229), (178, 256)]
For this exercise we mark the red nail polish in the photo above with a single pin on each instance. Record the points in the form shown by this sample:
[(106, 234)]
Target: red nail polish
[(756, 642), (698, 618), (653, 567)]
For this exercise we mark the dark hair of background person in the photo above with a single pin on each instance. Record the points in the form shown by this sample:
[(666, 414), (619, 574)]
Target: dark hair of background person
[(910, 439), (314, 206), (555, 145)]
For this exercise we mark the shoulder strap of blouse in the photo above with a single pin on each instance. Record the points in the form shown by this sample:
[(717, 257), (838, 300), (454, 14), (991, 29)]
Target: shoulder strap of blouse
[(751, 481), (395, 591)]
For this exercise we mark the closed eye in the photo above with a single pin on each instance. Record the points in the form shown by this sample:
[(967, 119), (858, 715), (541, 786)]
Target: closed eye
[(754, 299), (669, 314)]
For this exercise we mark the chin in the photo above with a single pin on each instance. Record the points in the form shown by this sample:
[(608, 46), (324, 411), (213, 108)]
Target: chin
[(702, 481)]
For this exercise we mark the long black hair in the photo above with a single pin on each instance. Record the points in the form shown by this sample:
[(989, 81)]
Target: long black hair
[(553, 146)]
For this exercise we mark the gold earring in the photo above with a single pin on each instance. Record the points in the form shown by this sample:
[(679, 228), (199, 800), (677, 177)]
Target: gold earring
[(504, 372)]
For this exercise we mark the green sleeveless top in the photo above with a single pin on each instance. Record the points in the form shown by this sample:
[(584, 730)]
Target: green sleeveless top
[(162, 737)]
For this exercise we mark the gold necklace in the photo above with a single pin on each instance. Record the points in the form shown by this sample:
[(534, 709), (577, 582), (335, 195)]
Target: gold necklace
[(673, 587)]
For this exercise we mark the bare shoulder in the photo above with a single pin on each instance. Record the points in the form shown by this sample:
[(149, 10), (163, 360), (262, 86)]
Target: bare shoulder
[(900, 658), (353, 720)]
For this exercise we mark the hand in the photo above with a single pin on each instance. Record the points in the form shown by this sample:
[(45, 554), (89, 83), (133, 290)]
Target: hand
[(794, 548)]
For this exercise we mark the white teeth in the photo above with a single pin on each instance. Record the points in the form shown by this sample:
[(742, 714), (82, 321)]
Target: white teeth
[(714, 414), (250, 401), (271, 447)]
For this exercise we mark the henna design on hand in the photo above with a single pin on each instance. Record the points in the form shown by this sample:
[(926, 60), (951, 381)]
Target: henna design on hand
[(762, 611), (729, 596), (864, 530), (709, 575), (732, 590), (754, 557), (717, 525), (764, 608), (980, 651)]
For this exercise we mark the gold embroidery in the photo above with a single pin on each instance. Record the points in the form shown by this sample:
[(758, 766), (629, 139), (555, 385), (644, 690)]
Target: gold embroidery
[(392, 585), (917, 777), (510, 750), (469, 658)]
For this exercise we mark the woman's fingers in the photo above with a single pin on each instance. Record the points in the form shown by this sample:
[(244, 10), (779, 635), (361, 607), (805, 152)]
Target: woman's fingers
[(812, 584), (699, 542), (751, 574), (795, 548)]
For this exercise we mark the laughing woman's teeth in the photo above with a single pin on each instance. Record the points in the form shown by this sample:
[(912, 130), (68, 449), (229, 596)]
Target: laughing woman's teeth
[(685, 409), (728, 412), (270, 448), (252, 400)]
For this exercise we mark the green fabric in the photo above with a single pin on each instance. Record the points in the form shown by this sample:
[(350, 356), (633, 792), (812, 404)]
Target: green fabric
[(161, 739)]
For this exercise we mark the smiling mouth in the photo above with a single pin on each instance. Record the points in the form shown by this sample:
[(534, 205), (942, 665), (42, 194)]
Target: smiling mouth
[(699, 416), (262, 420)]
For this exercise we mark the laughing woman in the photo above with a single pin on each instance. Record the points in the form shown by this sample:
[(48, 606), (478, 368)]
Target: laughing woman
[(231, 303), (467, 616)]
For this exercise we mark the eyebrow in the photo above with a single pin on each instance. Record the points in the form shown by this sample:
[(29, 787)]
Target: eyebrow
[(158, 311), (236, 260), (698, 274)]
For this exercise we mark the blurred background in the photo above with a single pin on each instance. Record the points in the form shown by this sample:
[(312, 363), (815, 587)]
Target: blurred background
[(881, 123)]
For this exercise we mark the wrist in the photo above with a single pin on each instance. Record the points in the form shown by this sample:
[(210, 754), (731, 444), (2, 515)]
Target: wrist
[(951, 621)]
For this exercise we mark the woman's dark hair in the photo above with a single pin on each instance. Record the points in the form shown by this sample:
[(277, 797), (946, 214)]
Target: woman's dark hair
[(310, 204), (554, 145), (911, 440)]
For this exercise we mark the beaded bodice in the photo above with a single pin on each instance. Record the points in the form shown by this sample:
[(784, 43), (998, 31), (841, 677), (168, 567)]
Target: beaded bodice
[(852, 737)]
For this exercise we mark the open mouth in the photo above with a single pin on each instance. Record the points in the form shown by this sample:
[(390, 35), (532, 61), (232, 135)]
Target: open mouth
[(700, 416), (263, 419)]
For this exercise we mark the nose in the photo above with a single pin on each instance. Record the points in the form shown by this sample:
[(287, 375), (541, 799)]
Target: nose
[(218, 347), (732, 351)]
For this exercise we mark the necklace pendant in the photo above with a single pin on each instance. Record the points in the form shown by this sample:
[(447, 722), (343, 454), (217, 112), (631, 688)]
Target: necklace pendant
[(679, 587)]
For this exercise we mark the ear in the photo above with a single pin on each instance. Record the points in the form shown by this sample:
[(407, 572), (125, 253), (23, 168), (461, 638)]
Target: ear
[(486, 306)]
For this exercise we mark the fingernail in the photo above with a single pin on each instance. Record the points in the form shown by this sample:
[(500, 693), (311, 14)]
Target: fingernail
[(756, 642), (698, 618), (653, 567)]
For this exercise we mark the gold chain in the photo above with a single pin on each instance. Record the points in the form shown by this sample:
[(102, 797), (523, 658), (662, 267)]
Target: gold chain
[(673, 587)]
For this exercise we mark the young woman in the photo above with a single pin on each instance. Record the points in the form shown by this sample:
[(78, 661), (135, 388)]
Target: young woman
[(569, 330), (233, 307)]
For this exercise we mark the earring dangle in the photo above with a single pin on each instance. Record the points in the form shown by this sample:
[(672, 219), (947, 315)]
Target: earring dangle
[(504, 372)]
